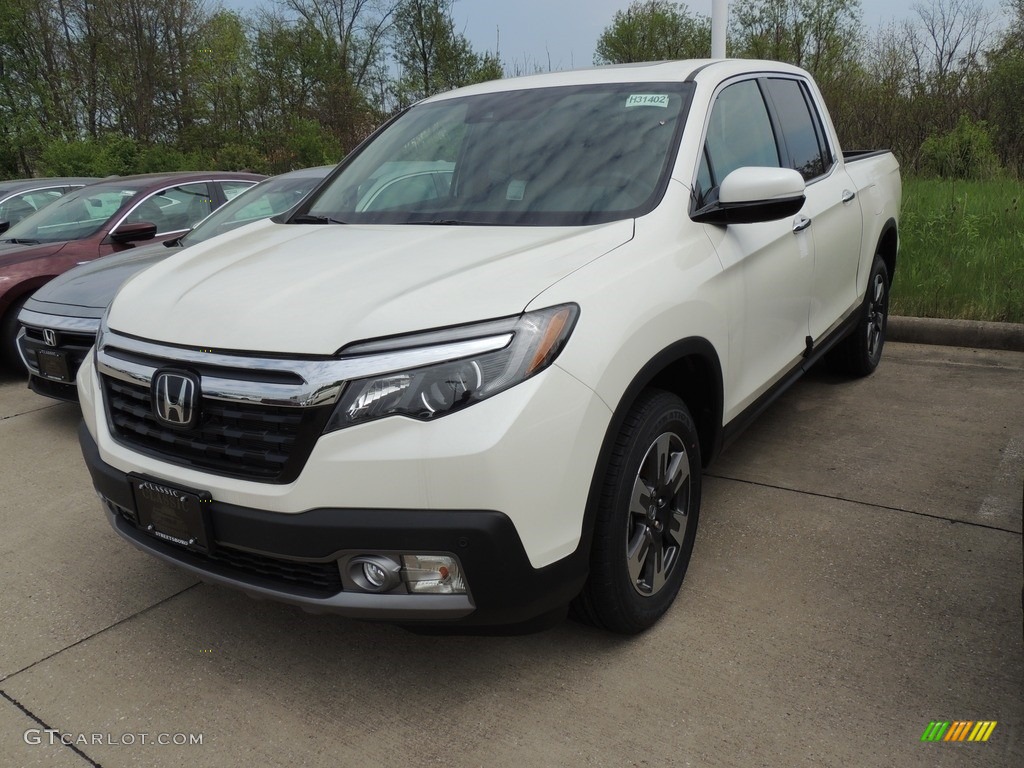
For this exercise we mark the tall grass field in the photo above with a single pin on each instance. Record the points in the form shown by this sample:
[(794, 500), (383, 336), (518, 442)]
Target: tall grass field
[(961, 250)]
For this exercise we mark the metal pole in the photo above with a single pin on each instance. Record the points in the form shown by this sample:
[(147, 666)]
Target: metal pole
[(719, 21)]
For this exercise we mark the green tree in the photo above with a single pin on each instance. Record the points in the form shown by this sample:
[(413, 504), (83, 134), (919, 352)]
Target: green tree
[(964, 153), (433, 57), (822, 36), (220, 71), (653, 30), (1004, 85)]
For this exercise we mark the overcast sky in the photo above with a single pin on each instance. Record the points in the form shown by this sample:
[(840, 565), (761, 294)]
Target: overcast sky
[(562, 33), (567, 30)]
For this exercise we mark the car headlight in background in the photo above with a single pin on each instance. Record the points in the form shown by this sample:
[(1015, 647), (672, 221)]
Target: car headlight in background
[(515, 349)]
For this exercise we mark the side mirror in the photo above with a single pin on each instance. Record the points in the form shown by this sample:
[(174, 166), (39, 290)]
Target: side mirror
[(133, 232), (4, 226), (751, 195)]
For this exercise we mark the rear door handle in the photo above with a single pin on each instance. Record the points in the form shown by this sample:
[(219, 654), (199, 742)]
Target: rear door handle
[(848, 196), (800, 223)]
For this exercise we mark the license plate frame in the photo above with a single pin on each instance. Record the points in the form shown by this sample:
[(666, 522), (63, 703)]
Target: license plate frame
[(175, 515), (53, 364)]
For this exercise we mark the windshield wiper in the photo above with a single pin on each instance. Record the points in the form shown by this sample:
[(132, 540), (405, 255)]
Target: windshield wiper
[(447, 222), (21, 241), (309, 218)]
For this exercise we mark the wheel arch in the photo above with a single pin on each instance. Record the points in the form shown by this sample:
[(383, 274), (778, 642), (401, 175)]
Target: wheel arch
[(888, 246), (689, 368), (22, 290)]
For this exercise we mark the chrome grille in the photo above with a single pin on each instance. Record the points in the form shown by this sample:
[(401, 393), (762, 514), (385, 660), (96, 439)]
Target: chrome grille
[(250, 441)]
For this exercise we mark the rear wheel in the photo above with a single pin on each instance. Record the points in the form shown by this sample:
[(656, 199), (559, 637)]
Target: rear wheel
[(860, 352), (646, 518)]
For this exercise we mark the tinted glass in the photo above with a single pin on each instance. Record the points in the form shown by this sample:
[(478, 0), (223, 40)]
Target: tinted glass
[(23, 205), (798, 127), (174, 209), (233, 189), (76, 215), (267, 199), (739, 132), (551, 156)]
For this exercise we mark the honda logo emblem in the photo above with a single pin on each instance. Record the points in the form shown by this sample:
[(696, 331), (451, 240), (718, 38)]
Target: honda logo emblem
[(176, 398), (50, 337)]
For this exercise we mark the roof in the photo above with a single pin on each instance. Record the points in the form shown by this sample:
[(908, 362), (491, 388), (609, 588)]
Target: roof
[(18, 185), (654, 71)]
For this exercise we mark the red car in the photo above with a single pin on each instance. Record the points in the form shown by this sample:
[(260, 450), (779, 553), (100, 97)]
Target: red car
[(101, 218)]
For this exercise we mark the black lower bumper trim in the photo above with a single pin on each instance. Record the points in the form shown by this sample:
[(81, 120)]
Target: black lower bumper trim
[(58, 390), (505, 587)]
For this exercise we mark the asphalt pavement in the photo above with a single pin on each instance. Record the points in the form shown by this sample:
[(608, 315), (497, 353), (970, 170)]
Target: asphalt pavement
[(857, 576)]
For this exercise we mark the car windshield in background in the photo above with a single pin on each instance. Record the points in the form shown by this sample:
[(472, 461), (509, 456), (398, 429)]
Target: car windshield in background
[(266, 199), (544, 157), (76, 215)]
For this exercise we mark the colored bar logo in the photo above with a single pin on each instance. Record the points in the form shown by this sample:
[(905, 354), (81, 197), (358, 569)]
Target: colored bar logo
[(959, 730)]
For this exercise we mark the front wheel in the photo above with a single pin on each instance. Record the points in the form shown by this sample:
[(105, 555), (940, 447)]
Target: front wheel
[(646, 517)]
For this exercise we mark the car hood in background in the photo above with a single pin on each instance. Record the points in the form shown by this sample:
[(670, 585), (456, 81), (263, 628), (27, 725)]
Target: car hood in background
[(16, 253), (88, 289), (312, 289)]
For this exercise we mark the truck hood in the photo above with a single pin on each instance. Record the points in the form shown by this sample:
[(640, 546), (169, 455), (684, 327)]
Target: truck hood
[(312, 289), (93, 285)]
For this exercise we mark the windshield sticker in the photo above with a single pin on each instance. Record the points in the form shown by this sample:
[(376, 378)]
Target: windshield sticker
[(516, 189), (647, 100)]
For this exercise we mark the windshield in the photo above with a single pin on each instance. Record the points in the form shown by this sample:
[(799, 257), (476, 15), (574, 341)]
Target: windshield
[(266, 199), (76, 215), (548, 156)]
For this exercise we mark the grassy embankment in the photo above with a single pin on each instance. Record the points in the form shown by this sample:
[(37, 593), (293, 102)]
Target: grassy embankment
[(961, 250)]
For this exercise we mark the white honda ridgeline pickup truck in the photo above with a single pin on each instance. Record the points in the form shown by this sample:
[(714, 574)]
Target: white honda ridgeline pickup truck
[(476, 375)]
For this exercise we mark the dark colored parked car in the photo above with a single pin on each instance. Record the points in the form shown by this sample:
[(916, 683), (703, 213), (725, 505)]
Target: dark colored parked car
[(102, 218), (20, 198), (61, 318)]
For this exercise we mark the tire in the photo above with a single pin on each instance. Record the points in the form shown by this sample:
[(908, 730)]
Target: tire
[(859, 353), (646, 517), (8, 337)]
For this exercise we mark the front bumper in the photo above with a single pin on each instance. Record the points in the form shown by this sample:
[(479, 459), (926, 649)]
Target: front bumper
[(290, 557), (72, 339)]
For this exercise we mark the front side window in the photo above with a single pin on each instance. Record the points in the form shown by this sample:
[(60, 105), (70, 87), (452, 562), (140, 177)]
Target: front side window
[(739, 134), (549, 156), (174, 209)]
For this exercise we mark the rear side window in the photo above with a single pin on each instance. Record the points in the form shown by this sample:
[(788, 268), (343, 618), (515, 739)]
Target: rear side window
[(233, 189), (739, 134), (801, 128)]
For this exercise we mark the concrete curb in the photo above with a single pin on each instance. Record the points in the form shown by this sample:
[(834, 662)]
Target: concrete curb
[(956, 333)]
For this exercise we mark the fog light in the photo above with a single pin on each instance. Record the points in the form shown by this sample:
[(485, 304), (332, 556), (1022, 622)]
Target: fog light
[(433, 574), (374, 573)]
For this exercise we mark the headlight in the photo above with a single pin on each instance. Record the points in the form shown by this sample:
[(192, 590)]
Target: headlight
[(100, 332), (426, 392)]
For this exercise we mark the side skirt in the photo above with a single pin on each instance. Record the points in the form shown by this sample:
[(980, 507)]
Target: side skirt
[(814, 353)]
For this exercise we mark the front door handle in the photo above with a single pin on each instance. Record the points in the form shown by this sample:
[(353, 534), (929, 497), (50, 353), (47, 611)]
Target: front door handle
[(800, 223)]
